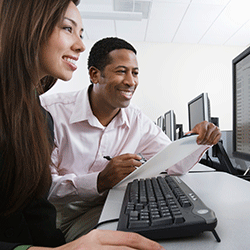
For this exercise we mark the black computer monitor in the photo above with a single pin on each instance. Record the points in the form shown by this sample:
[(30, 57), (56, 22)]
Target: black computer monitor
[(170, 125), (241, 105), (160, 122), (198, 110)]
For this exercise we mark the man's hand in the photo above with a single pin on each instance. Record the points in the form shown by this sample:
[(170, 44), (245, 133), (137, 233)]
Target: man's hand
[(209, 134), (117, 169)]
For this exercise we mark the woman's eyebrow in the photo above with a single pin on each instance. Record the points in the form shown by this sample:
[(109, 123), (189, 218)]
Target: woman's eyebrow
[(73, 22)]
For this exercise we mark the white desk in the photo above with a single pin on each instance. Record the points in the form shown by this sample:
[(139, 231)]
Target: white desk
[(201, 168), (227, 195)]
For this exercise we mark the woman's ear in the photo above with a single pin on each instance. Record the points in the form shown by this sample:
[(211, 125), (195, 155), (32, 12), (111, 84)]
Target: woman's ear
[(94, 74)]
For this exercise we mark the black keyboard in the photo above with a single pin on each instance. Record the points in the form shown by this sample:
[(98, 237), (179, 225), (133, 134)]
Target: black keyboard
[(163, 208)]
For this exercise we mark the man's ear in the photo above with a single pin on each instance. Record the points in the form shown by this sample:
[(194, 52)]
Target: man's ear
[(94, 74)]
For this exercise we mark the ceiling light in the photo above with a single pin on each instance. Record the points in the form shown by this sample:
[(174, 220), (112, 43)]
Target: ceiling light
[(112, 15), (143, 6)]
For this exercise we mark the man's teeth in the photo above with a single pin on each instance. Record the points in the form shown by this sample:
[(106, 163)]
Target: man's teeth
[(70, 60), (129, 94)]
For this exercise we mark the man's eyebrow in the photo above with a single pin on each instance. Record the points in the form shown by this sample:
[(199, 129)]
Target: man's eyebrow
[(122, 66), (72, 21)]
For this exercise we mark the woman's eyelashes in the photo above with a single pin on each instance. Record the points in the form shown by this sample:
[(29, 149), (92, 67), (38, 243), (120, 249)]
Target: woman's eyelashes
[(70, 30)]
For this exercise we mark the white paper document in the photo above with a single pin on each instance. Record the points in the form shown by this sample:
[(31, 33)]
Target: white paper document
[(166, 158)]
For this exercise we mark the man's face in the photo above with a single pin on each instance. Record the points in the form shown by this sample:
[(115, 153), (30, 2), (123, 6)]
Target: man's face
[(118, 80)]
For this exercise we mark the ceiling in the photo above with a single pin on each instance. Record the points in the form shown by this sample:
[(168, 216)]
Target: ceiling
[(213, 22)]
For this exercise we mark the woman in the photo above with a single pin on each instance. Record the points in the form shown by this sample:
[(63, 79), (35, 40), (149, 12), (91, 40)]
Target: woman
[(39, 43)]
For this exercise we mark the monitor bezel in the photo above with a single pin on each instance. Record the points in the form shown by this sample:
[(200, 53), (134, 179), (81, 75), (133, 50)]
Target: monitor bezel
[(160, 123), (235, 61), (205, 107), (172, 136)]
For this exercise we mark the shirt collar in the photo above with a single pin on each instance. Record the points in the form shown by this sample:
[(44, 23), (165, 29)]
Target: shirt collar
[(121, 119), (83, 112)]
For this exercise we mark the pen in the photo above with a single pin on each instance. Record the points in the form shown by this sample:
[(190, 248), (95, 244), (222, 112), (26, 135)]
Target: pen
[(107, 157), (143, 160)]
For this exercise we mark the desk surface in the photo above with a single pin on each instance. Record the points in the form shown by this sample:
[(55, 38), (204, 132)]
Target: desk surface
[(227, 195), (201, 168)]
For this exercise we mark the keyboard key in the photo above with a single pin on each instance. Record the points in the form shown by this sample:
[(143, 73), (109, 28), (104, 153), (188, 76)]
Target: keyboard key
[(139, 223), (178, 219), (162, 221), (185, 203), (133, 214), (139, 206)]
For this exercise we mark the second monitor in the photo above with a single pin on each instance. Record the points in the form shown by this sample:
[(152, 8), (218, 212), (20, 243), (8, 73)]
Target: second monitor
[(170, 125), (198, 110)]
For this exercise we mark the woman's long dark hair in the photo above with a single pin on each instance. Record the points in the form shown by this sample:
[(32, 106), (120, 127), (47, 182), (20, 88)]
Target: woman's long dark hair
[(25, 149)]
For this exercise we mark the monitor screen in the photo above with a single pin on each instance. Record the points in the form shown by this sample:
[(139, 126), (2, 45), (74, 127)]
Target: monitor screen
[(198, 110), (160, 122), (241, 105), (170, 125)]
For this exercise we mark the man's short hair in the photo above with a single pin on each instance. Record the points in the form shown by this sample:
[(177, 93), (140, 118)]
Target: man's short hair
[(99, 53)]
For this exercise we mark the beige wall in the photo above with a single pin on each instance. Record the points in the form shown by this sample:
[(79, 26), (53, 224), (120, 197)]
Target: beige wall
[(173, 74)]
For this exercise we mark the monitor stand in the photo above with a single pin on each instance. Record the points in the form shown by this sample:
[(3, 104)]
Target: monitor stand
[(225, 163), (180, 130)]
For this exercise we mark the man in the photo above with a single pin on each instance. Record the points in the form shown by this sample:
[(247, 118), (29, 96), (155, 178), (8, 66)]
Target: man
[(100, 121)]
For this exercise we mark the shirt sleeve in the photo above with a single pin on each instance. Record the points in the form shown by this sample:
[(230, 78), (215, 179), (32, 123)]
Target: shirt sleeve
[(183, 166), (71, 187)]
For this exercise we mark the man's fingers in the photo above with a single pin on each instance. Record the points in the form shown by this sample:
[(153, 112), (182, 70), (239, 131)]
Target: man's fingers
[(126, 160), (216, 139), (207, 137), (209, 134), (213, 135)]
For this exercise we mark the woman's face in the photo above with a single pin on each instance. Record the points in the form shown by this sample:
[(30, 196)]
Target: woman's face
[(60, 53)]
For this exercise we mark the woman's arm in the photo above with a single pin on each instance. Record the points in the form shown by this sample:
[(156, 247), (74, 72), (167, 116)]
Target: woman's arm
[(105, 239)]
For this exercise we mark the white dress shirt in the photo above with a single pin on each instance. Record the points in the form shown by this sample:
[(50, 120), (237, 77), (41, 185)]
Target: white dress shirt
[(82, 141)]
